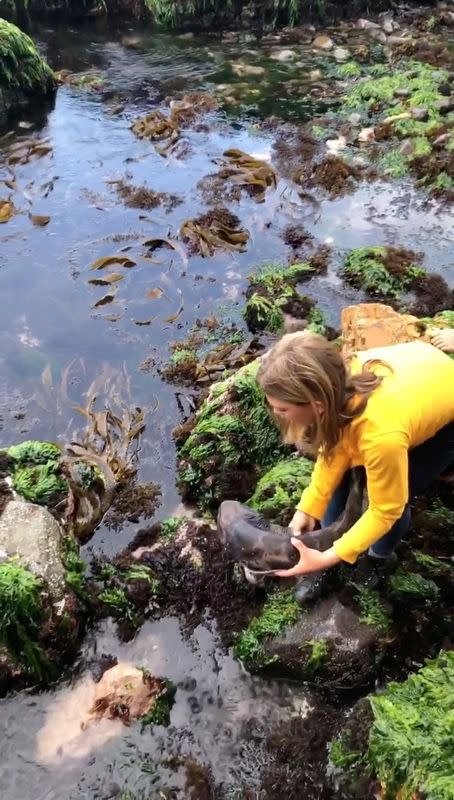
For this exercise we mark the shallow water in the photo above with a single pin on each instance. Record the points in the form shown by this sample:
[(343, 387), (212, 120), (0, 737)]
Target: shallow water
[(48, 320)]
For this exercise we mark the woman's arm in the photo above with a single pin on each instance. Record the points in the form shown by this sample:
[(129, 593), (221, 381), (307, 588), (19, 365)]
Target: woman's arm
[(386, 463)]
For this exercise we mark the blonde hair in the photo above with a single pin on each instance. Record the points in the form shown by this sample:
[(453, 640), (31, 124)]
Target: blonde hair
[(304, 368)]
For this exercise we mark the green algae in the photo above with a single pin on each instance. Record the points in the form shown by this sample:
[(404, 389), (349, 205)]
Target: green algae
[(279, 611), (23, 73), (372, 610), (403, 583), (366, 268), (279, 490), (319, 650), (233, 440), (409, 748), (21, 616)]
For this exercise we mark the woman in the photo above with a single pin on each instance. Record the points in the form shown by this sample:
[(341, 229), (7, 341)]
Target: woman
[(390, 411)]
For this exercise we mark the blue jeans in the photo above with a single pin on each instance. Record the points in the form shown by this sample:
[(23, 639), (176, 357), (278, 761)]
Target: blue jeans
[(426, 462)]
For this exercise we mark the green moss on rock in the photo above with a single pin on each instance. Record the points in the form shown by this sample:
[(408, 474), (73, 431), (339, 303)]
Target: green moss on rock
[(21, 615), (279, 611), (413, 584), (279, 490), (233, 441), (272, 293), (409, 747), (383, 271), (24, 75)]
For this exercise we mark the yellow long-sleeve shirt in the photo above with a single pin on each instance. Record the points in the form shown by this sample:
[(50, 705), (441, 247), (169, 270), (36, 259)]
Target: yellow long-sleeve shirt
[(412, 403)]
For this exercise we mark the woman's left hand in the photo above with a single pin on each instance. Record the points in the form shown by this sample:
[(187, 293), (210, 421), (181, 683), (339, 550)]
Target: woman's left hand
[(309, 560)]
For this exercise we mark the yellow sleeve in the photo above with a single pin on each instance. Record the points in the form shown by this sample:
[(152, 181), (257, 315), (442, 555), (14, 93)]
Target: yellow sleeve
[(386, 463), (325, 478)]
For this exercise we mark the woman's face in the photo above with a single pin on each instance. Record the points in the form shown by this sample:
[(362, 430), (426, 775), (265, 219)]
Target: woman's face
[(302, 414)]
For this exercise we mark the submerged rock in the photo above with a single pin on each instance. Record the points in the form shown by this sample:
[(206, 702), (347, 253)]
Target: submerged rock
[(25, 78), (30, 533), (329, 644), (323, 42)]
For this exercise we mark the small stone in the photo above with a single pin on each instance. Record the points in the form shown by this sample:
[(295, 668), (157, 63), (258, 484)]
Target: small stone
[(359, 161), (185, 36), (316, 75), (112, 790), (355, 118), (420, 114), (406, 148), (445, 106), (242, 70), (284, 55), (441, 140), (379, 35), (402, 93), (323, 43), (395, 40), (335, 145), (367, 25), (366, 135), (341, 54), (132, 42), (388, 26), (445, 89)]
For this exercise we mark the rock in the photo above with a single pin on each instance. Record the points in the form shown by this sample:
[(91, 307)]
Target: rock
[(186, 36), (369, 325), (367, 25), (131, 42), (406, 148), (442, 140), (445, 106), (445, 89), (388, 26), (34, 81), (335, 145), (378, 35), (341, 54), (355, 118), (316, 75), (283, 55), (420, 114), (323, 43), (366, 135), (31, 533), (402, 93), (242, 70), (396, 40), (328, 643)]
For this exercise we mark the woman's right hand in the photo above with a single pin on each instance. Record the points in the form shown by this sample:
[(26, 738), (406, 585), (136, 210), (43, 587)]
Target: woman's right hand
[(302, 523)]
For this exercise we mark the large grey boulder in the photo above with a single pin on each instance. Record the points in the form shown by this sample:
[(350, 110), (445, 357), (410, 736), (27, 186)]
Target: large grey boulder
[(31, 533)]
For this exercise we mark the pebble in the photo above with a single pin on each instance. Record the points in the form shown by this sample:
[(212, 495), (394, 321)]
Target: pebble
[(341, 54), (445, 106), (283, 55), (379, 36), (402, 93), (420, 114), (394, 40), (323, 43), (406, 148), (367, 25), (366, 135), (247, 69), (445, 89), (445, 137), (335, 145), (316, 75), (355, 118)]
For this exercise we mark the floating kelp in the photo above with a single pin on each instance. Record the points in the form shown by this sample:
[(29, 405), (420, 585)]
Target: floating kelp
[(335, 175), (91, 81), (251, 173), (217, 229), (156, 126), (27, 150), (143, 197), (6, 210)]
